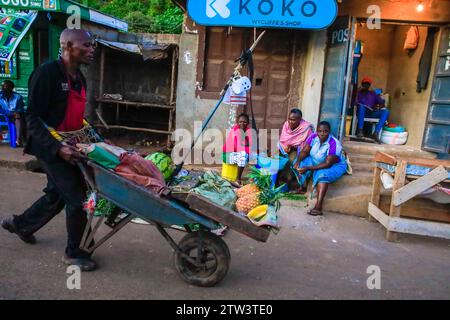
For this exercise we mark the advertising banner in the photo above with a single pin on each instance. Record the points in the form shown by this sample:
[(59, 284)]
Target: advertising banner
[(13, 27), (284, 14)]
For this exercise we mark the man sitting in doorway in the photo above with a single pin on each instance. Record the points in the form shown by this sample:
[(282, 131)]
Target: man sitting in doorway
[(12, 106), (370, 105)]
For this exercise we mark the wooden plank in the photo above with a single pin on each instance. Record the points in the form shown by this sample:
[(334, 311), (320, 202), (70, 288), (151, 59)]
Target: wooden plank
[(379, 215), (227, 217), (136, 104), (418, 227), (399, 181), (173, 76), (376, 188), (431, 163), (102, 76), (416, 187), (385, 158), (420, 208), (133, 129)]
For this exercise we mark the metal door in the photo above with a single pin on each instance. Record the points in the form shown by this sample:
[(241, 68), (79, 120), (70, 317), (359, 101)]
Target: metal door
[(337, 77), (437, 130)]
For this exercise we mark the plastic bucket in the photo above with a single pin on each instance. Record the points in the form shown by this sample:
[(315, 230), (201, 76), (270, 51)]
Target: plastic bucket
[(229, 172), (394, 138), (272, 164), (273, 176)]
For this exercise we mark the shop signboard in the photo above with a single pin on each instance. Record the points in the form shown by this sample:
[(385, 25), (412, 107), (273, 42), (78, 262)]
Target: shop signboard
[(47, 5), (285, 14)]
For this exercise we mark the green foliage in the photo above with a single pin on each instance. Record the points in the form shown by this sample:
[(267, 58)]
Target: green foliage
[(151, 16)]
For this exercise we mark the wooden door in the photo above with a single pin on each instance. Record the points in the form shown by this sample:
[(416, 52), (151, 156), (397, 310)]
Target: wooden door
[(272, 81), (272, 64)]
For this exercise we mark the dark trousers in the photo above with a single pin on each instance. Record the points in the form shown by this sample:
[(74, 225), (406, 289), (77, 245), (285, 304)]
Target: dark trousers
[(65, 187)]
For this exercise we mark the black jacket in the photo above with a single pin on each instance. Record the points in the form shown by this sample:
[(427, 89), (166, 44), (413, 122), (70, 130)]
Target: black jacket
[(48, 91)]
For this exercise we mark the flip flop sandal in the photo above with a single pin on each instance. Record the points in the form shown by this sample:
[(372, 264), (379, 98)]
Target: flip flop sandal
[(315, 212)]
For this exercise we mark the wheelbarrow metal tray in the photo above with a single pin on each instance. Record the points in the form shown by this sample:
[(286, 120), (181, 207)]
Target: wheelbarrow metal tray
[(223, 215), (142, 203)]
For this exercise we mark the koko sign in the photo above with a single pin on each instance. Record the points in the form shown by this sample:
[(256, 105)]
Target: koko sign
[(288, 14)]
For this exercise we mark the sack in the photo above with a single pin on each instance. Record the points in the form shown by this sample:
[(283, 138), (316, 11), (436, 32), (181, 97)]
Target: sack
[(143, 172), (412, 39)]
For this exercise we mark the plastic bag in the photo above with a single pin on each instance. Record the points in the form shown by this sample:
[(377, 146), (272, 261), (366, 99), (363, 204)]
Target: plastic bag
[(216, 189), (412, 39)]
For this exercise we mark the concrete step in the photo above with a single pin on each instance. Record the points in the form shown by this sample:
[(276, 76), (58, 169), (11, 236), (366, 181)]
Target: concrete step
[(360, 158), (361, 148), (363, 167), (356, 179), (14, 158), (352, 200)]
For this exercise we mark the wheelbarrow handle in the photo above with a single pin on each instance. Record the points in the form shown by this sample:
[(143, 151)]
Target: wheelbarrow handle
[(87, 176)]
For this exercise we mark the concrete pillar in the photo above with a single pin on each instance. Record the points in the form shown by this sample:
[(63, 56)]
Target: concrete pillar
[(313, 76)]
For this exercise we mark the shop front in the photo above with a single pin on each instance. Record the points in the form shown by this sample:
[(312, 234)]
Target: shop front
[(30, 30), (406, 58)]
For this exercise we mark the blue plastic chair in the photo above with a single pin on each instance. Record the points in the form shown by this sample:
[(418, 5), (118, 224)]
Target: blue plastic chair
[(4, 122)]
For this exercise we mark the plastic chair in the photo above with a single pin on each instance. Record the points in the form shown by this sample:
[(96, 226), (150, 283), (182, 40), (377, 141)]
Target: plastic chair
[(11, 137), (373, 122)]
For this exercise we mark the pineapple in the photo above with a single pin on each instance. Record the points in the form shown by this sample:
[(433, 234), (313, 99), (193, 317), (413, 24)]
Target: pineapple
[(246, 190), (251, 201), (260, 181)]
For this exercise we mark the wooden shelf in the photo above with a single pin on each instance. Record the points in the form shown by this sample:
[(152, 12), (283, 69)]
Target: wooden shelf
[(133, 129), (136, 104)]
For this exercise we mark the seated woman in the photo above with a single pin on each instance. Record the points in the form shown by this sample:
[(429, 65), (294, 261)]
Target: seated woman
[(237, 147), (293, 138), (322, 159)]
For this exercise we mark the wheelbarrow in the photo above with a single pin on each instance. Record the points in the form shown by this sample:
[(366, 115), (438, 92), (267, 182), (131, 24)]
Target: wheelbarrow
[(201, 257)]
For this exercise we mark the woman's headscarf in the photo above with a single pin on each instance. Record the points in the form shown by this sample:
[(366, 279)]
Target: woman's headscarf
[(296, 137)]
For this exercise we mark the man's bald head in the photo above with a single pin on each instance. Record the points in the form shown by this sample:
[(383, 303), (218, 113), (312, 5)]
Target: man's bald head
[(73, 35), (77, 46)]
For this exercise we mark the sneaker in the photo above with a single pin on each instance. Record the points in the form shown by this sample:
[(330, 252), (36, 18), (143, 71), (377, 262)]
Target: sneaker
[(85, 264), (8, 224)]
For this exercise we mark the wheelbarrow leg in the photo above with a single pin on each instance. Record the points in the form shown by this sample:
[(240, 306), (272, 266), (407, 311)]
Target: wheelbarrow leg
[(92, 234), (86, 231), (119, 226)]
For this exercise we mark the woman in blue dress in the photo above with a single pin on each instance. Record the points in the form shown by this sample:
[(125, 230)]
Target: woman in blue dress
[(323, 160)]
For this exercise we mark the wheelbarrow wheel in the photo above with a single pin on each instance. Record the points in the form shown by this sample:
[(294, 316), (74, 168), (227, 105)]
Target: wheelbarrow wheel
[(214, 258)]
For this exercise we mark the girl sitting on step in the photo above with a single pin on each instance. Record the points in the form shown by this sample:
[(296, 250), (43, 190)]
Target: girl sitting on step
[(323, 160)]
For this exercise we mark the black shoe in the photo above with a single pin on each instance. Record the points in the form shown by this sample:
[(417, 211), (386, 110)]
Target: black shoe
[(376, 137), (85, 264), (360, 133), (8, 224)]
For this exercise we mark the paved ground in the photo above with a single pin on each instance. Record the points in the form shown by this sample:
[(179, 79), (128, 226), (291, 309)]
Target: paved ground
[(311, 258)]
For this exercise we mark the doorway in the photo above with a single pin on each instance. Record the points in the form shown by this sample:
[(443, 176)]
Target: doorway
[(275, 89), (394, 71)]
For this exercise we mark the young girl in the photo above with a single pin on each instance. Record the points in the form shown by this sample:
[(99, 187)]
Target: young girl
[(236, 149)]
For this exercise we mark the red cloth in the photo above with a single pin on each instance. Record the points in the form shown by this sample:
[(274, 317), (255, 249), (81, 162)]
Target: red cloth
[(76, 104), (143, 172), (237, 142)]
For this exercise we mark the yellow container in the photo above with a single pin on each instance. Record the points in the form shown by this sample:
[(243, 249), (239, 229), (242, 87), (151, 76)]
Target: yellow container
[(229, 172), (348, 124)]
